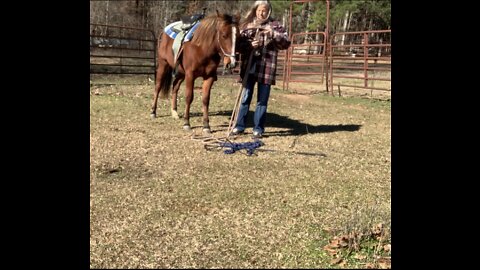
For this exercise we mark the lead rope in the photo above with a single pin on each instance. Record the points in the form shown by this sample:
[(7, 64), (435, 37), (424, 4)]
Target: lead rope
[(236, 108), (211, 143)]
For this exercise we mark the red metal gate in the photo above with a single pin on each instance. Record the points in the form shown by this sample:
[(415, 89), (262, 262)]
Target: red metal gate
[(306, 57), (361, 60)]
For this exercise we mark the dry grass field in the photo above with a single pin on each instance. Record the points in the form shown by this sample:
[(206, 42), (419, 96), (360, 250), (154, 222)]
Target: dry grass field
[(316, 195)]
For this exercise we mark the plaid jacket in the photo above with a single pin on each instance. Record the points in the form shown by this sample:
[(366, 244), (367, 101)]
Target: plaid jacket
[(266, 62)]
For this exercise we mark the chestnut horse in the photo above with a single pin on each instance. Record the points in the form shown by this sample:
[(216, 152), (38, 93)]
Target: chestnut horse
[(199, 57)]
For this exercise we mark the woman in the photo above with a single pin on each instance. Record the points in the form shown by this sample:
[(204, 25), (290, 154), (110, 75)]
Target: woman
[(263, 37)]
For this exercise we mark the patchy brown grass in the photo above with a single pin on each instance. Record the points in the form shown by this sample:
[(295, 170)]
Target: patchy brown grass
[(158, 199)]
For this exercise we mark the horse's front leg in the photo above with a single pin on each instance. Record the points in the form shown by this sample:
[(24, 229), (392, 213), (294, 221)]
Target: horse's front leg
[(206, 87), (189, 82), (176, 85)]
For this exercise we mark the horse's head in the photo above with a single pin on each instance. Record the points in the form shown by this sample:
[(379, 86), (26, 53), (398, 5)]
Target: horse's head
[(227, 34)]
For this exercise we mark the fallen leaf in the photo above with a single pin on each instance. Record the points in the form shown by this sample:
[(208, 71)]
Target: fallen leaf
[(336, 261), (385, 263), (359, 257), (377, 229)]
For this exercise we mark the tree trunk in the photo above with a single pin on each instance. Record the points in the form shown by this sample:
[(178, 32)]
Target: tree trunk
[(345, 24), (349, 21), (106, 19), (307, 9)]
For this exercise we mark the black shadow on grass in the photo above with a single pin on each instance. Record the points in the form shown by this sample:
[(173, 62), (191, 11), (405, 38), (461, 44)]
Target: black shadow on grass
[(294, 127)]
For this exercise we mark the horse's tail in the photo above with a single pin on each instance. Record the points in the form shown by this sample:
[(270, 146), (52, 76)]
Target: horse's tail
[(165, 81)]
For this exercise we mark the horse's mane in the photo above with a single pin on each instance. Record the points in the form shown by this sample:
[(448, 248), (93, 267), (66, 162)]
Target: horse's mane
[(206, 33)]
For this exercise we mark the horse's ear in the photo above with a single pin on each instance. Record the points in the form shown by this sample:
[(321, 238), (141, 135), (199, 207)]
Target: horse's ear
[(237, 16), (218, 13)]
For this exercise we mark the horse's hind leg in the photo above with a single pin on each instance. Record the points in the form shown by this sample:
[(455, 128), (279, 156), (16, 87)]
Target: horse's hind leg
[(176, 86), (206, 87), (161, 70), (153, 112)]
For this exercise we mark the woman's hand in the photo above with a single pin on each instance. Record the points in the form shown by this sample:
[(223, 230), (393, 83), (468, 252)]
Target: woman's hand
[(255, 43), (268, 31)]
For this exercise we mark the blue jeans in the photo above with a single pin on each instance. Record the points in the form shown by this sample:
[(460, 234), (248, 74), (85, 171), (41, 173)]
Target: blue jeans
[(260, 115)]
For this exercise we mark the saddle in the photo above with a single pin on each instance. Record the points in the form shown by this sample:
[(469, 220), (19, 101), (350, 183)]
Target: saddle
[(182, 31), (189, 21)]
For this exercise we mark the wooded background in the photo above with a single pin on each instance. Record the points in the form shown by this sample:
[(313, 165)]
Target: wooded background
[(345, 15)]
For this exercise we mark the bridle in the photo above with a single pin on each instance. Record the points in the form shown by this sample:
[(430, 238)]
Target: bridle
[(234, 36)]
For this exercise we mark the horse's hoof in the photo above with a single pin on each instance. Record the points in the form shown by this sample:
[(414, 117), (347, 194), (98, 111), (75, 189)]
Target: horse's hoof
[(153, 115), (187, 128), (175, 115), (207, 131)]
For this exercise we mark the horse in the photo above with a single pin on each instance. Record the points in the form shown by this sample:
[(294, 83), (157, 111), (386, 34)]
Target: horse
[(198, 57)]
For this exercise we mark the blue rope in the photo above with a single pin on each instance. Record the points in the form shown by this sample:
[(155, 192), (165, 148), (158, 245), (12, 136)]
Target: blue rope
[(249, 146)]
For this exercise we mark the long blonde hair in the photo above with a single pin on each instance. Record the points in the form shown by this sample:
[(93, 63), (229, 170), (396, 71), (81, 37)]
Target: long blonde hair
[(251, 15)]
